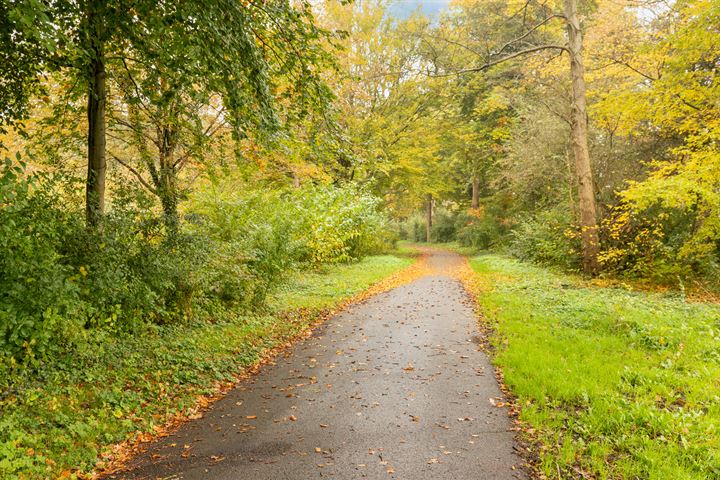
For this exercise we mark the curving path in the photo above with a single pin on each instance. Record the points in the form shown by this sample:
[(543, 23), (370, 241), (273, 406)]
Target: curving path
[(394, 387)]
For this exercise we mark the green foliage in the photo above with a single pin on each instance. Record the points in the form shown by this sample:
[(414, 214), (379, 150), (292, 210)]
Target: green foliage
[(650, 245), (444, 226), (339, 224), (615, 384), (21, 49), (412, 228), (37, 289), (484, 227), (61, 282), (276, 230), (548, 238), (60, 279), (249, 236)]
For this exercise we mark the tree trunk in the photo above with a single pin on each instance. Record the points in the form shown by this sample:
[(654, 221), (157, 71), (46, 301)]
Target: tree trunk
[(170, 213), (167, 188), (475, 192), (588, 215), (428, 224), (96, 140)]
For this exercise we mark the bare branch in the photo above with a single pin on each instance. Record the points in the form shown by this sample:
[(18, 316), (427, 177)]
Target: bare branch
[(135, 173), (452, 42), (487, 65), (527, 33), (136, 130), (685, 102)]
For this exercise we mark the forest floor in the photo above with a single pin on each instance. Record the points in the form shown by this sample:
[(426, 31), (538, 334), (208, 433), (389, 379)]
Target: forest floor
[(396, 386)]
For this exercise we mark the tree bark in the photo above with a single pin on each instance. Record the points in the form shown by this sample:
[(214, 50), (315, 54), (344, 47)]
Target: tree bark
[(579, 137), (475, 192), (96, 139), (167, 186), (428, 223)]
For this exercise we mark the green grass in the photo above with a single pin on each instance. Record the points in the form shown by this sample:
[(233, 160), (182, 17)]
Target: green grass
[(616, 384), (66, 415), (405, 248), (457, 248), (324, 288)]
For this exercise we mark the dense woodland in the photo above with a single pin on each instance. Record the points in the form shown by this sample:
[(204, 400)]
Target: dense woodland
[(172, 163)]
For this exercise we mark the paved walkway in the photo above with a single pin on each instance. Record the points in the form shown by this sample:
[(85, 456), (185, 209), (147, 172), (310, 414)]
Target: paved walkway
[(395, 387)]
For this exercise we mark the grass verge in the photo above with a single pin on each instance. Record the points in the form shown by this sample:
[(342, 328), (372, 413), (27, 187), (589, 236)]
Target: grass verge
[(611, 383), (63, 420)]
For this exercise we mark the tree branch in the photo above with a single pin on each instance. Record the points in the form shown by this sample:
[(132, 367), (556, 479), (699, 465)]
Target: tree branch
[(135, 173), (527, 33), (487, 65)]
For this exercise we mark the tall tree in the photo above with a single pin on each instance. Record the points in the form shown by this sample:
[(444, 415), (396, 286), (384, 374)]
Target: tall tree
[(528, 30), (218, 46), (208, 75), (581, 151)]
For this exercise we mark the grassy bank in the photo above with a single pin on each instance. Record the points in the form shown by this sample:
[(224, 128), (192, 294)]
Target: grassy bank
[(61, 419), (612, 383)]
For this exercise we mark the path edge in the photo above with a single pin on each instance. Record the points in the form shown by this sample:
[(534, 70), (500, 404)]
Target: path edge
[(525, 445), (124, 452)]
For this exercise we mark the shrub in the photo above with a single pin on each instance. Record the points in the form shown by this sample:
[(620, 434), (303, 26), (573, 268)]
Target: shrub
[(38, 290), (412, 228), (419, 230), (258, 236), (444, 227), (251, 238), (481, 228), (59, 281), (653, 244), (548, 238), (340, 224)]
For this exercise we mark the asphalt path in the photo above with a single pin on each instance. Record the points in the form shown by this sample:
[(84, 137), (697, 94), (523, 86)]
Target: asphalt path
[(393, 387)]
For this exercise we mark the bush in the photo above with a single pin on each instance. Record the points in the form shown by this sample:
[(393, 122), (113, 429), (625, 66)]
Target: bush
[(412, 228), (250, 237), (444, 226), (547, 238), (339, 224), (481, 228), (38, 290), (259, 236), (60, 281), (653, 244)]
